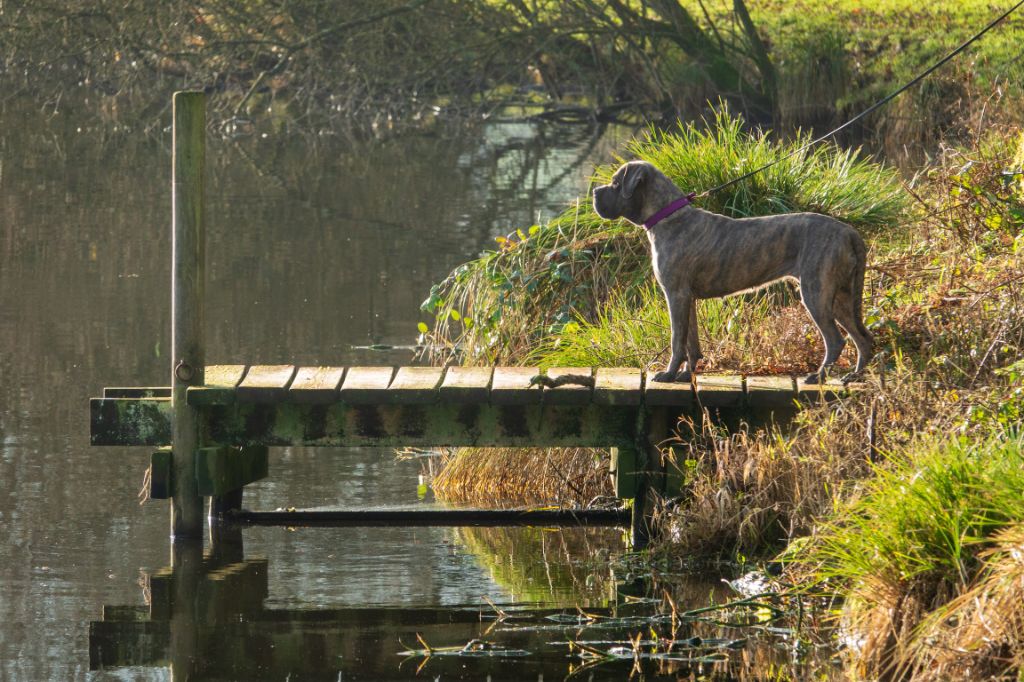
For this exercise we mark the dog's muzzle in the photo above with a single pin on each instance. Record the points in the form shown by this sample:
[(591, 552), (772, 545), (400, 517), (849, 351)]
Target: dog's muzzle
[(600, 203)]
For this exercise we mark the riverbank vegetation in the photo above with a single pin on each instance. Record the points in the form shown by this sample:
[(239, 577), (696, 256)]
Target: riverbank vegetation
[(394, 63), (904, 498)]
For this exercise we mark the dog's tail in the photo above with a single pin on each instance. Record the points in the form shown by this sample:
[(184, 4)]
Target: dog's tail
[(860, 251)]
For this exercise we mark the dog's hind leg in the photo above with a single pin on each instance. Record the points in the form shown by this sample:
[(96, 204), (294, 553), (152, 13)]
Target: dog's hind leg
[(680, 306), (846, 315), (819, 305)]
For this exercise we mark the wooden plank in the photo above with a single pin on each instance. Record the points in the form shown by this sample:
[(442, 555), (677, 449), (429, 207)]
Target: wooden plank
[(223, 376), (570, 393), (366, 384), (265, 384), (770, 391), (815, 393), (434, 517), (415, 385), (511, 386), (218, 387), (160, 474), (719, 390), (221, 469), (618, 386), (317, 385), (130, 421), (466, 385), (666, 393)]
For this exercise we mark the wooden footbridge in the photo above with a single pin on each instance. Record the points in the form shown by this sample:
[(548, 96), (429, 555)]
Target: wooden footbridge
[(212, 426)]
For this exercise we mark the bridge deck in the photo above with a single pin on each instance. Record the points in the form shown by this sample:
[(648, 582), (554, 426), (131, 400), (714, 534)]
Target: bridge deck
[(428, 406), (276, 384)]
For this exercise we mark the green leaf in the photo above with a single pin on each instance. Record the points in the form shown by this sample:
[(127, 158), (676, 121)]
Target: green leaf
[(422, 326)]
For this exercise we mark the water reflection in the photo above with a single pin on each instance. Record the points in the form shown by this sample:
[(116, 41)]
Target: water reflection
[(210, 616), (207, 616)]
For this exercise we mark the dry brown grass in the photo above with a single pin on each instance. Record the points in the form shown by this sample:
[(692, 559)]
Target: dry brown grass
[(508, 477), (980, 633)]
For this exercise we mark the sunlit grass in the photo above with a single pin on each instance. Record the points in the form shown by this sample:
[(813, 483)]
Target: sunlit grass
[(503, 305), (915, 539)]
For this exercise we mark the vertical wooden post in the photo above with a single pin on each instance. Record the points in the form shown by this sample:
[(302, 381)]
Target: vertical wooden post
[(188, 356), (640, 527)]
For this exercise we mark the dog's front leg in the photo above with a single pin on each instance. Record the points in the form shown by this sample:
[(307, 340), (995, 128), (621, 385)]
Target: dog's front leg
[(693, 353), (679, 307)]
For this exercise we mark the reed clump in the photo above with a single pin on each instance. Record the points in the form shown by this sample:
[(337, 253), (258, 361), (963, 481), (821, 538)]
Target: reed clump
[(913, 544), (511, 477)]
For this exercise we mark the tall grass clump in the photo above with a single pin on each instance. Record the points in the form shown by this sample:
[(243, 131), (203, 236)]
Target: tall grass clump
[(911, 542), (539, 279), (980, 634)]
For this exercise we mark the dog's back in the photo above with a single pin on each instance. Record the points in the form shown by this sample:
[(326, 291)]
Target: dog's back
[(720, 256)]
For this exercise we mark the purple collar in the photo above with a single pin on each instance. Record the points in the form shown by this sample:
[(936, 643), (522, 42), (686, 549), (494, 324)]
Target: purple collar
[(669, 210)]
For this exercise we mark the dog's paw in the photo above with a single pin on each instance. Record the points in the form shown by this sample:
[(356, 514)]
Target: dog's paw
[(814, 378), (664, 377), (684, 377), (851, 377)]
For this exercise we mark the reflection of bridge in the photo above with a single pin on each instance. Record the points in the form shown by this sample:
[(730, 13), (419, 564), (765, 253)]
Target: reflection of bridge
[(206, 619), (221, 419)]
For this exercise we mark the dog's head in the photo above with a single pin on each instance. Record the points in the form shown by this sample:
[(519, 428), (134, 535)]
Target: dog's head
[(623, 197), (637, 191)]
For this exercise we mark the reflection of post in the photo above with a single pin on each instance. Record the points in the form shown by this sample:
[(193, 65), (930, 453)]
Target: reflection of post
[(628, 466), (187, 283), (187, 567), (225, 542)]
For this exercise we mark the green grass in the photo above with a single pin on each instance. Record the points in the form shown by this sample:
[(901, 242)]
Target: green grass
[(833, 62), (634, 331), (927, 513), (501, 306)]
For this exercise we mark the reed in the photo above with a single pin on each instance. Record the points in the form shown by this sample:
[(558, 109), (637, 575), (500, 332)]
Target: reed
[(510, 477)]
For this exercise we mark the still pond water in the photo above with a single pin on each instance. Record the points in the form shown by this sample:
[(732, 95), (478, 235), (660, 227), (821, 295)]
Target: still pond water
[(317, 244)]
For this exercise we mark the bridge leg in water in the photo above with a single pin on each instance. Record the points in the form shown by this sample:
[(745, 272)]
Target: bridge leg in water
[(627, 465)]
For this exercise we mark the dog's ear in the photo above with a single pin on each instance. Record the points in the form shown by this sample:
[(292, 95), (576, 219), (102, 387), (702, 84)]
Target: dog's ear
[(631, 179)]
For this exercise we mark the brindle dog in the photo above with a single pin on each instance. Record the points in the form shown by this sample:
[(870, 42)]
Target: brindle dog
[(698, 254)]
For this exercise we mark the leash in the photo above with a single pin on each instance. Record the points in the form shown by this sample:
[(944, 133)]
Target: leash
[(885, 100)]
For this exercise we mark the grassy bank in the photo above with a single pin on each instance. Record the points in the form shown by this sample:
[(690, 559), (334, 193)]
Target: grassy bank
[(904, 500)]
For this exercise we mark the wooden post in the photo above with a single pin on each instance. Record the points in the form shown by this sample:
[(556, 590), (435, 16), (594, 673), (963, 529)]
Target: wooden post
[(187, 284), (640, 528)]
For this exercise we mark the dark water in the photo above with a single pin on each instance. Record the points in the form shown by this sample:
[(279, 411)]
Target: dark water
[(316, 244)]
